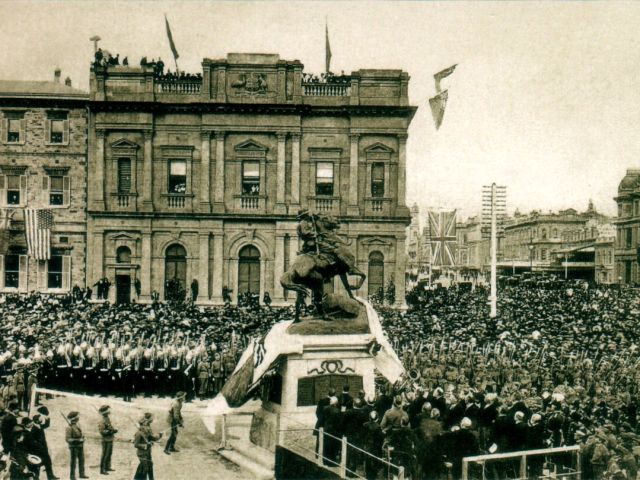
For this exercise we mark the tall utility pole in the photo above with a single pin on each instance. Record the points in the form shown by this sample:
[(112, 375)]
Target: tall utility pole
[(494, 206)]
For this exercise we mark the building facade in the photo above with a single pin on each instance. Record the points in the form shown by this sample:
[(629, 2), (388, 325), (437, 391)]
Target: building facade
[(199, 181), (43, 154), (474, 255), (628, 229)]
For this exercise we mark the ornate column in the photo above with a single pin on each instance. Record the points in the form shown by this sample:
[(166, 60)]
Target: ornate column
[(218, 194), (205, 173), (295, 170), (278, 269), (98, 180), (147, 175), (145, 268), (218, 262), (280, 176), (203, 262), (352, 206)]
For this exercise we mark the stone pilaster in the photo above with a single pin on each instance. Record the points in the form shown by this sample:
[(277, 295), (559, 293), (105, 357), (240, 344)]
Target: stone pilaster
[(205, 173), (295, 171), (147, 172), (400, 271), (278, 270), (98, 180), (352, 206), (402, 170), (218, 263), (145, 268), (218, 194), (203, 263), (281, 208)]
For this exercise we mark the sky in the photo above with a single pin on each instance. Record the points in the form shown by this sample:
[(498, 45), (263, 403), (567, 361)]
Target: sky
[(545, 98)]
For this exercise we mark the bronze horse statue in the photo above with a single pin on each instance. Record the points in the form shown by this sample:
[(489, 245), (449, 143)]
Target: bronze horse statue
[(323, 257)]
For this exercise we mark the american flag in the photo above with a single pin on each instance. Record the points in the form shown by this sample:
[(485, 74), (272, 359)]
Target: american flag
[(38, 225), (442, 238)]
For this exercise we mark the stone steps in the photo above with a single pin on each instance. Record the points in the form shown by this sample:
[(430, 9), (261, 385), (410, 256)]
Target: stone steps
[(257, 461)]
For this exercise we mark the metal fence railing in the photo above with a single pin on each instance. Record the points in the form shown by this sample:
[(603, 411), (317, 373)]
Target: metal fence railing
[(560, 463)]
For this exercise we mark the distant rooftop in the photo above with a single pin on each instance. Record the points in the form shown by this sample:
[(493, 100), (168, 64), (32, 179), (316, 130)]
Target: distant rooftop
[(34, 89)]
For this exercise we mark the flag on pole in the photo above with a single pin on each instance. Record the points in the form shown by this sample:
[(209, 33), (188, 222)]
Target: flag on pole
[(438, 104), (170, 37), (443, 74), (38, 225), (327, 49), (442, 238)]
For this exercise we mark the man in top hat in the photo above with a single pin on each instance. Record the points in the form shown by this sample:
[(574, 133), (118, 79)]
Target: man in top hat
[(175, 421), (19, 469), (107, 433), (143, 441), (75, 440)]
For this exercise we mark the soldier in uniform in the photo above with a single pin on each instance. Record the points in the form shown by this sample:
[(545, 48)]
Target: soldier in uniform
[(143, 441), (107, 433), (203, 377), (175, 421), (75, 440), (217, 373)]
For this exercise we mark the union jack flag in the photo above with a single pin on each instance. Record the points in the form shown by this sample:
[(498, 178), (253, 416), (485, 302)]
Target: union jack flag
[(442, 238)]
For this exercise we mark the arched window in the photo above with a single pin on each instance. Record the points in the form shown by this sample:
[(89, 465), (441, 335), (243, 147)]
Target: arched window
[(123, 255), (249, 270), (175, 265), (544, 233), (555, 233), (376, 272)]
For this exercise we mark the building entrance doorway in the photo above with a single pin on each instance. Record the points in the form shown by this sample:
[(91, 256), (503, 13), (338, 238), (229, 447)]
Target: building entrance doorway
[(123, 289)]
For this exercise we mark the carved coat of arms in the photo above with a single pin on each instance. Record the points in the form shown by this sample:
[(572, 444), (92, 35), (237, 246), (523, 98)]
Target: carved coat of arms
[(251, 83)]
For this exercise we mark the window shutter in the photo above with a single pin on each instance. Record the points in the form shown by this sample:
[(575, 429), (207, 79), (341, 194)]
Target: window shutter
[(24, 273), (3, 190), (65, 132), (23, 131), (1, 271), (23, 189), (42, 275), (5, 130), (66, 272), (47, 131), (46, 187), (66, 190)]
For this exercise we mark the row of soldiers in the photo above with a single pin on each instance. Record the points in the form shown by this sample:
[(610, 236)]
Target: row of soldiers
[(125, 370)]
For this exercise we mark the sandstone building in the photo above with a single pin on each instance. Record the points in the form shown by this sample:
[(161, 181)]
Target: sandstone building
[(201, 178), (43, 145)]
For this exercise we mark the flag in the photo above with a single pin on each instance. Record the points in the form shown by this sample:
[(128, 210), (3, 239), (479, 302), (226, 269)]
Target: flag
[(327, 49), (38, 224), (442, 238), (170, 37), (443, 74), (438, 104)]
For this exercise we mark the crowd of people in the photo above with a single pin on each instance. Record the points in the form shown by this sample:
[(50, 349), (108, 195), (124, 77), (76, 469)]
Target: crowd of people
[(557, 366), (327, 77)]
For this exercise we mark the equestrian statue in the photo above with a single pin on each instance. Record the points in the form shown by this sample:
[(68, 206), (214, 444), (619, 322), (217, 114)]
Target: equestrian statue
[(324, 255)]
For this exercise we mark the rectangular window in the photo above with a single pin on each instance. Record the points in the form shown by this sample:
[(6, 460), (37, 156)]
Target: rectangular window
[(377, 180), (13, 189), (57, 126), (54, 272), (324, 178), (629, 234), (124, 175), (13, 130), (12, 271), (177, 176), (250, 178), (56, 190)]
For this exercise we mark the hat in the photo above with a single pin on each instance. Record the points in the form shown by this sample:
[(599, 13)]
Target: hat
[(104, 409), (73, 416), (181, 395), (25, 422)]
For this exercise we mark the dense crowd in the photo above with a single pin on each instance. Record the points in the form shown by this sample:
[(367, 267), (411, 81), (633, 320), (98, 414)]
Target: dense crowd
[(328, 77), (557, 366)]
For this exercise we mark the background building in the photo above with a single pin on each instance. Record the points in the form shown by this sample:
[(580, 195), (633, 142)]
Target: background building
[(201, 178), (474, 252), (628, 228), (43, 150)]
